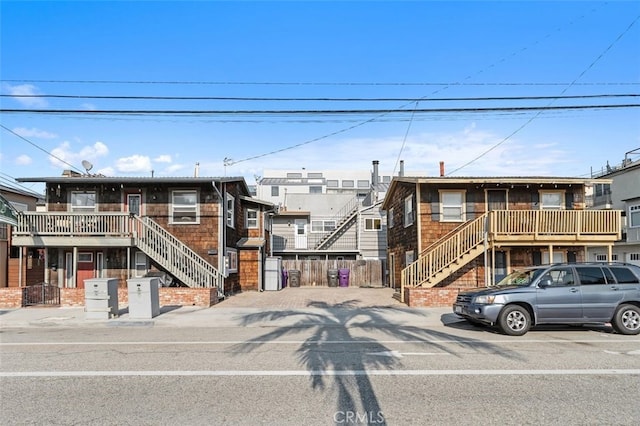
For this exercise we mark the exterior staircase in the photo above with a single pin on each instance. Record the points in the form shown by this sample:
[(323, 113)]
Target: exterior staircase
[(176, 257), (448, 255), (344, 217)]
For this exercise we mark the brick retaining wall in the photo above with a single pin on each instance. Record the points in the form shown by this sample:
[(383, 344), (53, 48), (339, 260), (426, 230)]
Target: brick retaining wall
[(431, 297)]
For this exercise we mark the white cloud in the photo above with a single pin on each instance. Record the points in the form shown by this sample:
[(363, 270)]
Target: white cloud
[(134, 164), (63, 156), (34, 133), (174, 168), (165, 158), (24, 160), (26, 90)]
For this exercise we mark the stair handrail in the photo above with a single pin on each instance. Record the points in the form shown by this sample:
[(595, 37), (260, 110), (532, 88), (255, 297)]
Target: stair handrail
[(445, 252), (341, 219), (175, 256)]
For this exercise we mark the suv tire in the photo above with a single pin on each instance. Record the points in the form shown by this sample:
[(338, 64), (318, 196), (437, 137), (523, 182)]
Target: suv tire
[(514, 320), (626, 320)]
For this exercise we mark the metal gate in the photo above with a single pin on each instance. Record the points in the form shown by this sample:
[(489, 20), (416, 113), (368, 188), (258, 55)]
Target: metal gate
[(41, 294)]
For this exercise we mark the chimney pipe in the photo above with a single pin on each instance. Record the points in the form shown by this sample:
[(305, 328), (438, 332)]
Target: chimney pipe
[(442, 169), (374, 177), (401, 172), (196, 172)]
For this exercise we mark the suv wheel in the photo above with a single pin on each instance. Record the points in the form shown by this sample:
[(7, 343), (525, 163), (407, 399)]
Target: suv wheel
[(627, 319), (514, 320)]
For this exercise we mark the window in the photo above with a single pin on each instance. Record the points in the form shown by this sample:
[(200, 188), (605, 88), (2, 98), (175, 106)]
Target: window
[(314, 175), (184, 206), (591, 275), (231, 260), (372, 224), (559, 277), (140, 260), (294, 175), (332, 183), (624, 275), (231, 209), (634, 256), (408, 211), (409, 257), (390, 218), (83, 201), (603, 257), (634, 216), (315, 190), (251, 218), (323, 225), (85, 257), (363, 184), (275, 191), (347, 183), (551, 200), (452, 206)]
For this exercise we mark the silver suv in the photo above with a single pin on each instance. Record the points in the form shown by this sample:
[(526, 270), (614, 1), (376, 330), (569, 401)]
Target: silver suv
[(580, 293)]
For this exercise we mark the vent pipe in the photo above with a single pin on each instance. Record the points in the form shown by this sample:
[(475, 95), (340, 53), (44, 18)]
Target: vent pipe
[(442, 169), (374, 177), (401, 172)]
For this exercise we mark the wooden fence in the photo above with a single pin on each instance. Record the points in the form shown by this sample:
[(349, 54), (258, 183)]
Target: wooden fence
[(362, 273)]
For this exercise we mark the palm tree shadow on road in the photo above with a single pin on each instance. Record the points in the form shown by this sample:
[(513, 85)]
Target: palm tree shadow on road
[(334, 352)]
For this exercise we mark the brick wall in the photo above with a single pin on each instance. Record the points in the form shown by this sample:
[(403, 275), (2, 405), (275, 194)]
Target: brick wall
[(11, 297), (431, 297)]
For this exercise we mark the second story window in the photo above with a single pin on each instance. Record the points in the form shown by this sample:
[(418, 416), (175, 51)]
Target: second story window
[(634, 216), (452, 206), (323, 225), (251, 218), (184, 206), (83, 201), (315, 190), (231, 210), (275, 191), (409, 215), (372, 224), (551, 200)]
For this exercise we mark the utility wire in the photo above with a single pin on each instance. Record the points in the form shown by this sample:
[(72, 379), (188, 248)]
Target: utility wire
[(226, 98), (591, 65), (40, 148)]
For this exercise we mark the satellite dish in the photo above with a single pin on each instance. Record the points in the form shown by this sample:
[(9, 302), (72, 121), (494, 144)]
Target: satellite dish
[(87, 165)]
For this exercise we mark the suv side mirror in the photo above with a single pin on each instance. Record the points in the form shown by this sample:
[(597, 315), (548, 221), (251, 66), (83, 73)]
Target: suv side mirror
[(544, 283)]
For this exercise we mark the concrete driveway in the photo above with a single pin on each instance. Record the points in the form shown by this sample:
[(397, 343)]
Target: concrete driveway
[(307, 297)]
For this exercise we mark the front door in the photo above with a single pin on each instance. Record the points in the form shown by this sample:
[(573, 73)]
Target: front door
[(86, 268), (301, 233), (134, 204)]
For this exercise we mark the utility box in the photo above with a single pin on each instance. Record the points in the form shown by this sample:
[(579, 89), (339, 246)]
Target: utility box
[(101, 298), (144, 297)]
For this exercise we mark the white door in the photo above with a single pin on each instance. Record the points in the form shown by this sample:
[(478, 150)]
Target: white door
[(301, 233)]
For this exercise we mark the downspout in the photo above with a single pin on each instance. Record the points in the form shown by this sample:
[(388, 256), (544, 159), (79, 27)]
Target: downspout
[(417, 219)]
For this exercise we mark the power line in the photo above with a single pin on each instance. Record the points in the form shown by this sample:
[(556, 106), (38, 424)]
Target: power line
[(308, 83), (315, 111), (40, 148), (325, 99)]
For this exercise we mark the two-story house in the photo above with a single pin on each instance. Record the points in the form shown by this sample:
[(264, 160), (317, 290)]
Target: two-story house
[(448, 233), (622, 193), (329, 220), (206, 233)]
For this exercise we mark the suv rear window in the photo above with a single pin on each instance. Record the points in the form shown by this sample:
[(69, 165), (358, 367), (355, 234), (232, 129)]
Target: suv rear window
[(624, 275), (590, 275)]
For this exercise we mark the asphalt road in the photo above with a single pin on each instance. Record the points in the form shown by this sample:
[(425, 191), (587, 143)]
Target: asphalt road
[(324, 374)]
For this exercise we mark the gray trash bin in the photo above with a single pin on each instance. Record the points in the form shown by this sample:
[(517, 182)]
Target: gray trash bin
[(332, 277), (294, 278), (144, 298), (101, 298)]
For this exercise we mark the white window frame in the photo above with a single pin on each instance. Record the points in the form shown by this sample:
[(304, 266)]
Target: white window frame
[(390, 218), (461, 207), (634, 256), (187, 209), (370, 224), (634, 216), (231, 260), (409, 257), (230, 209), (409, 215), (249, 221), (321, 226), (89, 195), (85, 257), (544, 206)]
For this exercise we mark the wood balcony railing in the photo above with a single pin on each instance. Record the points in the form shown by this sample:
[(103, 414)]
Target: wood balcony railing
[(74, 224), (511, 227)]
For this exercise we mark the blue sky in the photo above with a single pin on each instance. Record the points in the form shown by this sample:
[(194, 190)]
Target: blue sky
[(351, 49)]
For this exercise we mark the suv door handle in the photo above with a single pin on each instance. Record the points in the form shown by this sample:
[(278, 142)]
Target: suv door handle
[(574, 290), (615, 288)]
